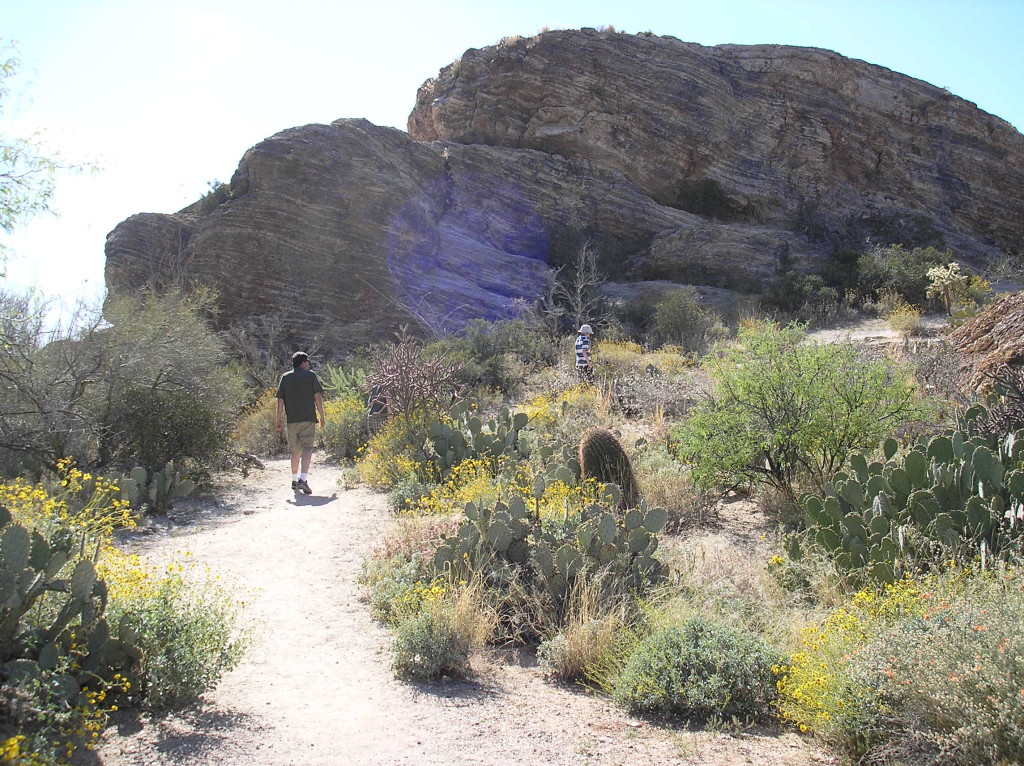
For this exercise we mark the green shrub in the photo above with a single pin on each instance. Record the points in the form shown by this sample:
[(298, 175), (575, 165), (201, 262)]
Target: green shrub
[(427, 647), (158, 427), (699, 671), (902, 271), (680, 320), (395, 586), (498, 355), (165, 364), (188, 632), (782, 409), (804, 298), (345, 426)]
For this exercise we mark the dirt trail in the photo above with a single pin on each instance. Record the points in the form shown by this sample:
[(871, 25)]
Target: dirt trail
[(317, 689)]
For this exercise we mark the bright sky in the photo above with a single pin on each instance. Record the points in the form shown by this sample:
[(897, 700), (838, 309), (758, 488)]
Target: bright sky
[(168, 96)]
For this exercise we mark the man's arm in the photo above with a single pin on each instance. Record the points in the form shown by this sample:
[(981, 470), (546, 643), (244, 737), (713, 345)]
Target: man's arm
[(280, 414), (319, 400)]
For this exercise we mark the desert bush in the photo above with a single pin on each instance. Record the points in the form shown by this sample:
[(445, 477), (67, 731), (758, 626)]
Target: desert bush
[(161, 346), (398, 587), (498, 355), (680, 320), (396, 452), (561, 416), (345, 426), (427, 648), (439, 639), (340, 382), (950, 675), (804, 298), (256, 431), (667, 485), (188, 634), (927, 671), (783, 408), (158, 427), (904, 320), (590, 633), (904, 272), (699, 671)]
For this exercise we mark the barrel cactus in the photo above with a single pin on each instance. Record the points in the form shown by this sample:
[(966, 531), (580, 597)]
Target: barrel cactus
[(602, 458)]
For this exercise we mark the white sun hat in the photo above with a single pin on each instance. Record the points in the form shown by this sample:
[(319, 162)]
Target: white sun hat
[(585, 330)]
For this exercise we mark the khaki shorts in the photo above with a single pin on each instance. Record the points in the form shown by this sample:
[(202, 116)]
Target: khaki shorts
[(301, 436)]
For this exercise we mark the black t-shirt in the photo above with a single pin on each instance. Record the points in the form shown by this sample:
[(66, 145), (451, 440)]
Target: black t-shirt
[(297, 389)]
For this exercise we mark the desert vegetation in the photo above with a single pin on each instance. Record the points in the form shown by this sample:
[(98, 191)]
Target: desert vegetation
[(877, 606), (572, 521)]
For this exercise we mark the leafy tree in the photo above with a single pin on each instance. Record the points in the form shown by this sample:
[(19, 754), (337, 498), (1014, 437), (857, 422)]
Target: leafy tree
[(783, 408), (26, 171), (170, 389)]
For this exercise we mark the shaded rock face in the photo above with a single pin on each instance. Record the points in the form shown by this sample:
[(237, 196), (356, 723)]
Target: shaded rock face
[(798, 137), (709, 166), (349, 230)]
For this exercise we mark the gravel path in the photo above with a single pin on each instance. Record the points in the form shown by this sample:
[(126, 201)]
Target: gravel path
[(316, 688)]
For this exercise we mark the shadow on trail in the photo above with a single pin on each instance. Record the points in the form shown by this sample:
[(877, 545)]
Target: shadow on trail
[(190, 736), (313, 500), (465, 691)]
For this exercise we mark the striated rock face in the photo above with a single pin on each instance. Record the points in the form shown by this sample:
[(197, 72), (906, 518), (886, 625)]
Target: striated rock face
[(680, 163), (798, 137), (351, 229)]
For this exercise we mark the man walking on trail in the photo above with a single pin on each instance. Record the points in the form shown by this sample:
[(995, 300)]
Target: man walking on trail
[(300, 396), (584, 364)]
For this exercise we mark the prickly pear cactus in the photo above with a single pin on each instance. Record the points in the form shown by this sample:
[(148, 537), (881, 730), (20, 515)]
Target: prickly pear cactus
[(602, 458), (507, 542), (73, 643), (954, 496)]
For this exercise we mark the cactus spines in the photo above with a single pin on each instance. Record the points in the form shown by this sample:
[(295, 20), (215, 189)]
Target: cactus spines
[(602, 458)]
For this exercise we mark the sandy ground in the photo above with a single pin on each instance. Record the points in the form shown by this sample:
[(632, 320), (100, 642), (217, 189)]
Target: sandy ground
[(317, 689)]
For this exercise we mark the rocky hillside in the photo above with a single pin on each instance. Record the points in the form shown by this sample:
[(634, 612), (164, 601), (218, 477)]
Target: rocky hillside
[(713, 166)]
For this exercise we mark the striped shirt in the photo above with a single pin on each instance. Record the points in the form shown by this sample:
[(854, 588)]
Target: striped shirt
[(582, 350)]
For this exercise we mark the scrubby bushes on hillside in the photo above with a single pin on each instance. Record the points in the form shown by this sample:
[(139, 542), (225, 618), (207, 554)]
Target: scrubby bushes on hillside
[(783, 410)]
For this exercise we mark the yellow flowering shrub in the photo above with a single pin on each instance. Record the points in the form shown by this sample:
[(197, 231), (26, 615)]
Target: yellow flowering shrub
[(475, 481), (547, 410), (256, 431), (396, 452), (817, 691), (345, 428), (80, 502)]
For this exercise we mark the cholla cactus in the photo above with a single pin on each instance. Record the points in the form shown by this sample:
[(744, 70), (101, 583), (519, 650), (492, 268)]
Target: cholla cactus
[(410, 381), (945, 282)]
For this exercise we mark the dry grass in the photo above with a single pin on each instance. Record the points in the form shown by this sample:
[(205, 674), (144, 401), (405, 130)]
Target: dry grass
[(590, 632)]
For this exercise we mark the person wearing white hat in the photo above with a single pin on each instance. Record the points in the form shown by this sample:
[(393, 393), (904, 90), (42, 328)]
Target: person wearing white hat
[(584, 363)]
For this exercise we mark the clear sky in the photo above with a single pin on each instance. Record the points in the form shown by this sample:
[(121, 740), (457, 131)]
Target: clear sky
[(167, 96)]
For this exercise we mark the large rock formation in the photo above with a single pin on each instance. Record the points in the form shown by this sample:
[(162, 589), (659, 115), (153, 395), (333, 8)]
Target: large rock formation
[(713, 166)]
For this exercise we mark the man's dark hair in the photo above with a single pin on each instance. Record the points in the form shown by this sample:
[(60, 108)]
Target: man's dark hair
[(298, 358)]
